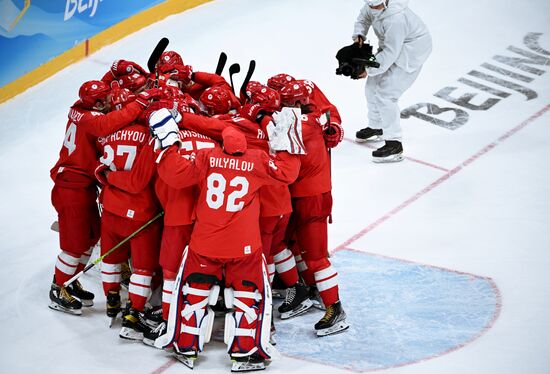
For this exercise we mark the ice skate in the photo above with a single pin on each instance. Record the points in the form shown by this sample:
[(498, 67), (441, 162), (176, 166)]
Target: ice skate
[(296, 301), (113, 306), (85, 297), (151, 335), (62, 300), (334, 321), (367, 134), (253, 362), (153, 316), (186, 357), (392, 151), (133, 325)]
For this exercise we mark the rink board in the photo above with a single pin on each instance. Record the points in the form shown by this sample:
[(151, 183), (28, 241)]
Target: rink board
[(400, 313)]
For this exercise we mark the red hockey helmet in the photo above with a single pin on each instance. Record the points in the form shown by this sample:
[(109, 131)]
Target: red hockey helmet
[(168, 58), (121, 97), (217, 100), (277, 82), (268, 98), (295, 92), (134, 82), (187, 101), (93, 91)]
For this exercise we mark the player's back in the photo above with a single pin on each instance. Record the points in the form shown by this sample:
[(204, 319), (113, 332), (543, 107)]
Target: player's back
[(228, 205), (120, 150)]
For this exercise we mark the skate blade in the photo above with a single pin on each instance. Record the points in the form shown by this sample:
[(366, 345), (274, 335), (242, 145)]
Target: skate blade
[(87, 303), (55, 306), (392, 158), (239, 367), (336, 329), (112, 321), (300, 309), (186, 360), (130, 334), (149, 342), (374, 138)]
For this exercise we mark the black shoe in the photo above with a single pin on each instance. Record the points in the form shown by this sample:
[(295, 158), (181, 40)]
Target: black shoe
[(296, 301), (367, 134), (133, 325), (62, 300), (392, 151), (251, 362), (76, 289), (333, 321), (113, 304), (151, 335)]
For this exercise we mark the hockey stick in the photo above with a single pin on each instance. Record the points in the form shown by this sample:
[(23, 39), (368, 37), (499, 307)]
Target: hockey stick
[(251, 68), (155, 55), (221, 63), (233, 69), (99, 259)]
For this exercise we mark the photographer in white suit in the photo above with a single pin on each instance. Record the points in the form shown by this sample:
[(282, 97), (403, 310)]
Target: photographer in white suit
[(404, 45)]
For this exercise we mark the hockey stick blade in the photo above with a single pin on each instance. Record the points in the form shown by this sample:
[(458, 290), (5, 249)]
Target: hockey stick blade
[(251, 68), (233, 69), (155, 55), (222, 60)]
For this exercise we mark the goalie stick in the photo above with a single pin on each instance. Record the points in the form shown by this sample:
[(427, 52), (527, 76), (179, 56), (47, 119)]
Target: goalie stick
[(222, 60), (100, 258), (233, 69)]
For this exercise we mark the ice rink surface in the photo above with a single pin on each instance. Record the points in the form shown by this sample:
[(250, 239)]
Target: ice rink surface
[(443, 258)]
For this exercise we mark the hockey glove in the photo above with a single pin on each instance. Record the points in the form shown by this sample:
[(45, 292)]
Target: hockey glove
[(182, 73), (164, 129), (333, 135), (145, 97), (123, 67), (285, 134), (101, 172)]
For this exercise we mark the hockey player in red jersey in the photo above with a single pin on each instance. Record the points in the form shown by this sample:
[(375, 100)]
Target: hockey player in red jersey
[(226, 236), (124, 213), (312, 204), (74, 193), (329, 116), (178, 205)]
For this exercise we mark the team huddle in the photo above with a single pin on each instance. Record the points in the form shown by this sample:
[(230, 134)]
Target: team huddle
[(242, 182)]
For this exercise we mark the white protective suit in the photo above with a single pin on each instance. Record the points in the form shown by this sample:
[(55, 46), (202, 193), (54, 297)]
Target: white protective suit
[(404, 45)]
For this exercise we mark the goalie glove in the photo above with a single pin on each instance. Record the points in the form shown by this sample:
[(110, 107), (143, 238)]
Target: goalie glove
[(285, 132), (164, 129), (333, 135)]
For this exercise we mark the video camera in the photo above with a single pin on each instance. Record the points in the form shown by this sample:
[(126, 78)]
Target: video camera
[(352, 60)]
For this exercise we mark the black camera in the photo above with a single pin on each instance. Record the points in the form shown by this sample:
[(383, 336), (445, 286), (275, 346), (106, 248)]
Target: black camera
[(353, 59)]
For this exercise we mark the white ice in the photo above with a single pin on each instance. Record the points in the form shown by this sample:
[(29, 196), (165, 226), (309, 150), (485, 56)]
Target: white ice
[(468, 200)]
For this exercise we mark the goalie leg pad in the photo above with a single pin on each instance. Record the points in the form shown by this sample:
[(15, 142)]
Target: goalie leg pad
[(197, 318), (248, 327)]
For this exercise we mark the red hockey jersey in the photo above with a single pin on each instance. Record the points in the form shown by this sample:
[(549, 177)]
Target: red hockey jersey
[(79, 153), (120, 150), (227, 211)]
